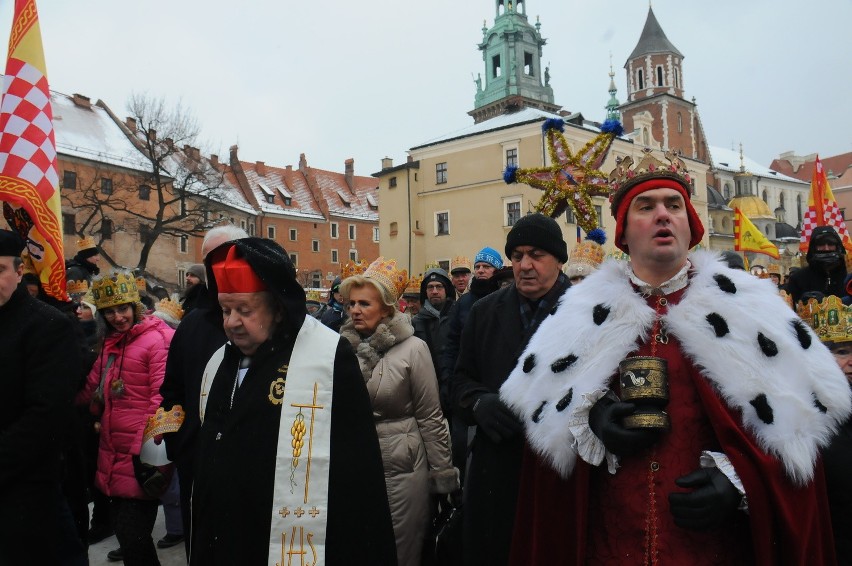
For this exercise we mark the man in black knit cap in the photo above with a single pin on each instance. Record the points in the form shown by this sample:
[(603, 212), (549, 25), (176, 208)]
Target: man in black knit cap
[(496, 332)]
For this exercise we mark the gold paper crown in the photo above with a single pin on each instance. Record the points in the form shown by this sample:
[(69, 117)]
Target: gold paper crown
[(169, 307), (585, 258), (314, 295), (85, 243), (460, 262), (354, 268), (113, 290), (162, 422), (624, 176), (385, 272), (774, 268), (77, 287), (413, 287), (830, 318), (433, 265)]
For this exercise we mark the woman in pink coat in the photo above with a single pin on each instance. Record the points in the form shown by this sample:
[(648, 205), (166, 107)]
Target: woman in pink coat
[(123, 388)]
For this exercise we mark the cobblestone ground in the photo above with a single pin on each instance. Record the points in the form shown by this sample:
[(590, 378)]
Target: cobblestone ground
[(174, 556)]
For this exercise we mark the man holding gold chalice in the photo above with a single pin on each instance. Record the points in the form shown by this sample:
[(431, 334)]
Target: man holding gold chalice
[(674, 408)]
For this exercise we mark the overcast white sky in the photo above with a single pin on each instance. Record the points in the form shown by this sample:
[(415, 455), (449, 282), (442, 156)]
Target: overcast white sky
[(337, 79)]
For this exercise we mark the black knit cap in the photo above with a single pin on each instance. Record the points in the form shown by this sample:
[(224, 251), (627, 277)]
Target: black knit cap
[(539, 231), (10, 244)]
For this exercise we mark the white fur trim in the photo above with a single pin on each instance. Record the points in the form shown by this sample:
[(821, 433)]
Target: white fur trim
[(734, 364)]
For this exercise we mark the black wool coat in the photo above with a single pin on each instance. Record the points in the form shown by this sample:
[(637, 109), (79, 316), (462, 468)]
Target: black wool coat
[(235, 467), (39, 365), (492, 339)]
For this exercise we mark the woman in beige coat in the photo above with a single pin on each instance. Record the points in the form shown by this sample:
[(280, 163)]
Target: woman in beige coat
[(401, 382)]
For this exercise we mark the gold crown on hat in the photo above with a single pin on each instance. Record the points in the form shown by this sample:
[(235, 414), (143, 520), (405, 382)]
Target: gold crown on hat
[(141, 284), (585, 258), (113, 290), (414, 285), (314, 295), (774, 268), (626, 175), (163, 421), (76, 287), (354, 268), (460, 262), (85, 243), (386, 273), (830, 318), (169, 307), (433, 265)]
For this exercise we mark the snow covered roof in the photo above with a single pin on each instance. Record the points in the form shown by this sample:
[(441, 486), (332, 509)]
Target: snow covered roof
[(336, 192), (729, 160), (523, 116), (290, 184), (90, 133)]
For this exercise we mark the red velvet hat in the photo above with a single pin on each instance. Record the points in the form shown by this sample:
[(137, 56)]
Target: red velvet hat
[(234, 274)]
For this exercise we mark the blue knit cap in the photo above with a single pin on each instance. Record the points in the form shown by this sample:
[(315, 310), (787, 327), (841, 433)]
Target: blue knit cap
[(490, 256)]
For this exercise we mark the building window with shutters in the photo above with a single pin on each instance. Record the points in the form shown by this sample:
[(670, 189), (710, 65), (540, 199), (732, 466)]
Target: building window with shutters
[(441, 173)]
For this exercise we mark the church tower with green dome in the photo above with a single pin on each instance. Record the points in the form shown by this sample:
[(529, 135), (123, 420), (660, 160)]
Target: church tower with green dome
[(514, 76)]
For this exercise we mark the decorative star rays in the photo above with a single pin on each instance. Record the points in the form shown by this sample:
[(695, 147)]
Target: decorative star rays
[(571, 179)]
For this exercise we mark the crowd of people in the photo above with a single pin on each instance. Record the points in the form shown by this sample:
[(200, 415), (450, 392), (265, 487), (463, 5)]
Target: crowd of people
[(669, 409)]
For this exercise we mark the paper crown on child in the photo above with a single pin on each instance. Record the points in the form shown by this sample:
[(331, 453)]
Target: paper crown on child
[(830, 318), (385, 272), (114, 290)]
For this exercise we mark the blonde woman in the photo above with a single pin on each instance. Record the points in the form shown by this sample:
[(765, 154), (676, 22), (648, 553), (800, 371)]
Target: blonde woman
[(403, 389)]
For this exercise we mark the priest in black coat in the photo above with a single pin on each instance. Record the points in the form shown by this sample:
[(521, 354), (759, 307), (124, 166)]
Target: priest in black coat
[(237, 445)]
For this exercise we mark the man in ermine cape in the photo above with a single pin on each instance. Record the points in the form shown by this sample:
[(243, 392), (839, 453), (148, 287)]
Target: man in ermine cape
[(723, 467)]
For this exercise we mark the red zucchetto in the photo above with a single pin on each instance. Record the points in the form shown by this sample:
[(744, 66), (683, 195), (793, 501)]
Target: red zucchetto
[(234, 274)]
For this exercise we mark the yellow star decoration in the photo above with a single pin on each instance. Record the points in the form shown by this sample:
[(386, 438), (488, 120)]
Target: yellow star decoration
[(571, 179)]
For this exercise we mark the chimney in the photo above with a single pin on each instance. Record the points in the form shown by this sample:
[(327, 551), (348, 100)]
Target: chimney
[(130, 123), (260, 167), (214, 160), (152, 135), (410, 159), (387, 163), (350, 173), (170, 143), (303, 163), (82, 101), (289, 168)]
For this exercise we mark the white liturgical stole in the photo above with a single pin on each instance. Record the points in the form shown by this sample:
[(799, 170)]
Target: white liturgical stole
[(300, 498)]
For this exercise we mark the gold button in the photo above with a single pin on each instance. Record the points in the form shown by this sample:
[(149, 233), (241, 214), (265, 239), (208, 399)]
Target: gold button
[(663, 301), (655, 466)]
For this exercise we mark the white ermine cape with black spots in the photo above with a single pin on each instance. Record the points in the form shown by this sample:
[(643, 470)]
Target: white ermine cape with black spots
[(762, 360)]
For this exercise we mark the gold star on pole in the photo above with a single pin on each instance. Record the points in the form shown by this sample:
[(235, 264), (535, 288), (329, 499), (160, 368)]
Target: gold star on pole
[(571, 179)]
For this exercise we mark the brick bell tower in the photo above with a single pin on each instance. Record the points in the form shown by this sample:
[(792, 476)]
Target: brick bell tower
[(656, 109)]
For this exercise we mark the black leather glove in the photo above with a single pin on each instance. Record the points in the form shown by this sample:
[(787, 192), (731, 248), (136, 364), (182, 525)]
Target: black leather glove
[(151, 479), (495, 418), (605, 421), (709, 504)]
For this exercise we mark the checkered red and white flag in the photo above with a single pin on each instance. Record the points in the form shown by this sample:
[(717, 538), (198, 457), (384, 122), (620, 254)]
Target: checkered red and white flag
[(29, 183), (822, 210)]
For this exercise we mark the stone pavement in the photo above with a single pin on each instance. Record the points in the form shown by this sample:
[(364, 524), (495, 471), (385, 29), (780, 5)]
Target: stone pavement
[(174, 556)]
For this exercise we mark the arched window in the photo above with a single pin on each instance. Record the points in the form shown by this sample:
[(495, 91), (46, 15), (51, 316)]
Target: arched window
[(640, 79), (799, 207), (659, 76), (645, 139), (781, 200), (765, 197), (676, 78), (679, 123), (727, 191)]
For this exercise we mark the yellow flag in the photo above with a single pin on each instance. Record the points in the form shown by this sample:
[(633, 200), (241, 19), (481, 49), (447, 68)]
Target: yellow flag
[(29, 183), (747, 238)]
